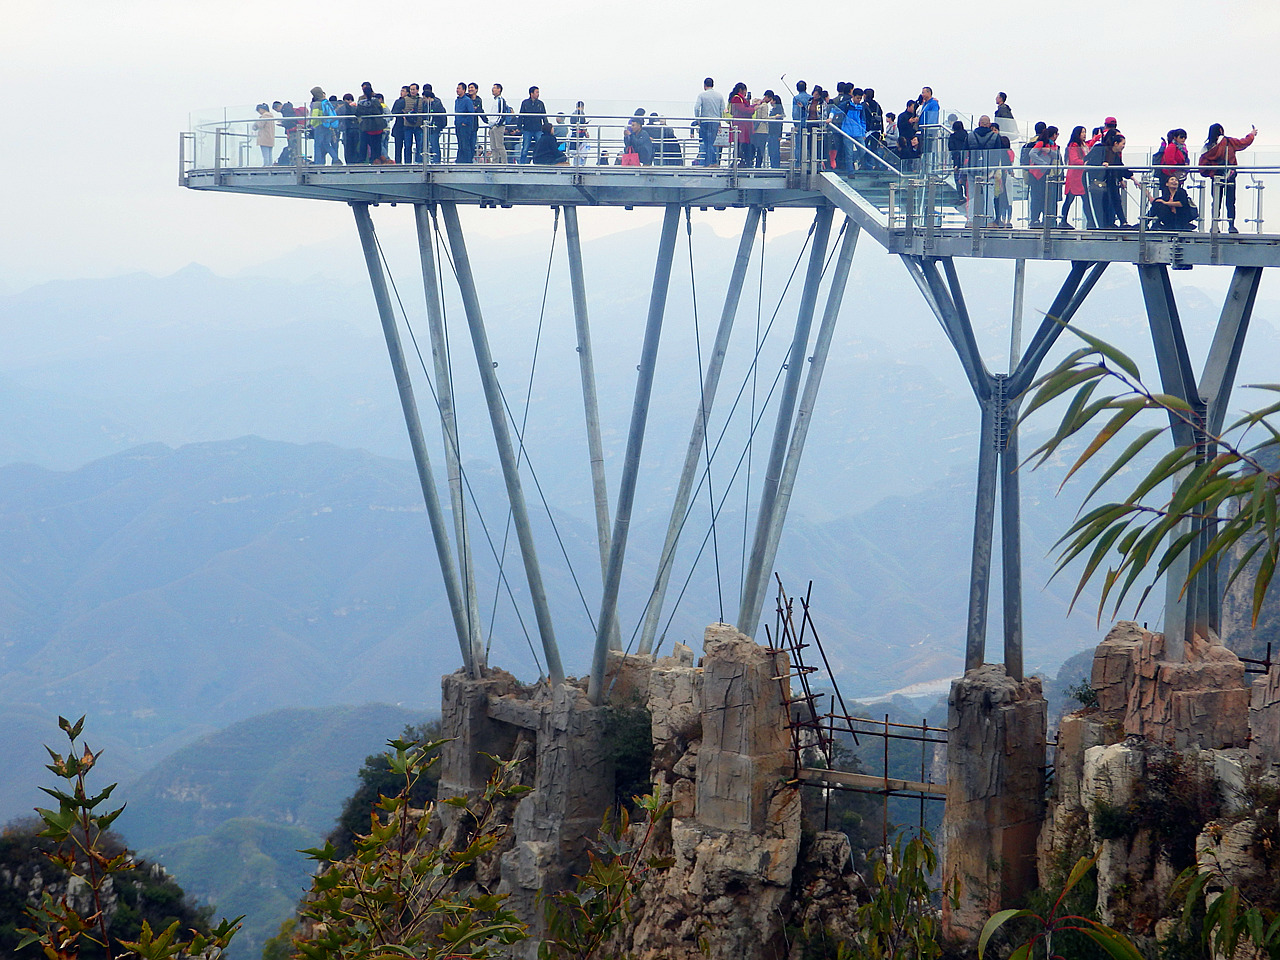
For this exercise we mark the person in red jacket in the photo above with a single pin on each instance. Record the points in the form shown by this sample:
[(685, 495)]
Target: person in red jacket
[(1172, 155), (1074, 185), (1219, 162)]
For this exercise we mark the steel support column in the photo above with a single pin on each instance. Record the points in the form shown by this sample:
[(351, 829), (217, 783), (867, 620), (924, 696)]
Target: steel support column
[(984, 514), (502, 439), (997, 396), (1011, 543), (698, 437), (449, 429), (809, 398), (635, 443), (591, 406), (1181, 614), (435, 514), (1195, 608), (755, 584), (1215, 387)]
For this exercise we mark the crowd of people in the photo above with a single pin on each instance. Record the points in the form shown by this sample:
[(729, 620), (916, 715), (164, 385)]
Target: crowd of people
[(844, 131)]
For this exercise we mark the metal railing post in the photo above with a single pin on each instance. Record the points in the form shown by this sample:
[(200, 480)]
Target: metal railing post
[(502, 439)]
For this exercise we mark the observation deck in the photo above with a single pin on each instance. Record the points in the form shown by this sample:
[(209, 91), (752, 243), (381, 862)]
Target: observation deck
[(910, 215), (919, 215)]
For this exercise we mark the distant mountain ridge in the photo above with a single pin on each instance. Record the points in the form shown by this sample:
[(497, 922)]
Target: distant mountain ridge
[(168, 593)]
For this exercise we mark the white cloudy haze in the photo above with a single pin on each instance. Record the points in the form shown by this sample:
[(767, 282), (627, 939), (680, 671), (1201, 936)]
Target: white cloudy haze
[(91, 186)]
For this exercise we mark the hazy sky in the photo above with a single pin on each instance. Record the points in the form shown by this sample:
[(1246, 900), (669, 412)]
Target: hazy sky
[(97, 92)]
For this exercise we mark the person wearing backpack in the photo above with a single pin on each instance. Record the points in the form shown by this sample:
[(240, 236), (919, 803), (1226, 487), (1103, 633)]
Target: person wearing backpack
[(324, 127), (372, 124), (1042, 177), (874, 115), (292, 153), (349, 125), (437, 120), (982, 162), (1219, 161), (1173, 153)]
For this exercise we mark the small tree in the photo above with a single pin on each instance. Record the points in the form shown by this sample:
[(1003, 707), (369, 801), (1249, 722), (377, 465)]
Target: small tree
[(900, 921), (402, 893), (98, 862)]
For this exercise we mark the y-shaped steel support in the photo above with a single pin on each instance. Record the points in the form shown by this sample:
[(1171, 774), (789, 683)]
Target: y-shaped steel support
[(502, 439), (997, 395), (449, 428), (435, 514), (693, 455), (590, 405), (1197, 608), (635, 442), (755, 584)]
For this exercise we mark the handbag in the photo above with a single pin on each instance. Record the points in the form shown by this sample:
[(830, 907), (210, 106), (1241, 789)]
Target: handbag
[(630, 159), (722, 136)]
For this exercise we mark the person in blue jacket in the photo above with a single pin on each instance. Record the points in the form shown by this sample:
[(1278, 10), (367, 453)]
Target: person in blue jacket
[(855, 127), (930, 113), (464, 126)]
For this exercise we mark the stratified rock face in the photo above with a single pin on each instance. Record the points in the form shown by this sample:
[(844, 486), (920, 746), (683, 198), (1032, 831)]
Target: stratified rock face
[(1133, 874), (722, 757), (1264, 718), (746, 745), (1201, 701), (995, 793), (1115, 666), (1113, 762)]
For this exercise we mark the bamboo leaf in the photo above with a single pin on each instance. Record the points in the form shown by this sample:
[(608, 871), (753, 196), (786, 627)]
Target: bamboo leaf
[(1131, 451), (1108, 351), (1128, 410)]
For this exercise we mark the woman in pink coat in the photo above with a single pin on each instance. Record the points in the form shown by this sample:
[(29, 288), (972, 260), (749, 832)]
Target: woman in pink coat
[(741, 109), (1074, 185)]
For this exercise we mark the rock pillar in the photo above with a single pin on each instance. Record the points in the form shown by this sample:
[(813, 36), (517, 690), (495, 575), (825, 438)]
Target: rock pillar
[(573, 789), (1264, 717), (746, 741), (995, 794)]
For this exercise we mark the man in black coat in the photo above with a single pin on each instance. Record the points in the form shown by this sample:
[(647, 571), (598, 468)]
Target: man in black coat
[(533, 113)]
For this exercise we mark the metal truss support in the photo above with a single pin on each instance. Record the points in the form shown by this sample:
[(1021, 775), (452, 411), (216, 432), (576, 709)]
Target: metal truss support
[(635, 443), (449, 429), (698, 437), (435, 513), (998, 396), (755, 584), (1195, 608), (590, 403), (502, 439)]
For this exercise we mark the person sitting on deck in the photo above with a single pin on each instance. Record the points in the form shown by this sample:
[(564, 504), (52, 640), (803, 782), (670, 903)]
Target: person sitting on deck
[(547, 150), (1173, 209)]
